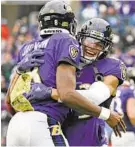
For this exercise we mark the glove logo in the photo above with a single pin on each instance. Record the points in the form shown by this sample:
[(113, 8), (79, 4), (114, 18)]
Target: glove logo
[(38, 89)]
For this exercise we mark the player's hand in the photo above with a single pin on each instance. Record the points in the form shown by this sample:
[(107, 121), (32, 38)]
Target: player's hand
[(38, 92), (115, 121), (30, 61)]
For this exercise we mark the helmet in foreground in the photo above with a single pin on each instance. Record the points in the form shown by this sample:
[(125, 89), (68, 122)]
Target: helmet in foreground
[(55, 17)]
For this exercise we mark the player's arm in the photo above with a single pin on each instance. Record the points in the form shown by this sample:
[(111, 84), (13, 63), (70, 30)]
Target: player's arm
[(112, 83), (115, 76), (7, 98), (25, 64), (66, 84), (131, 110), (105, 90)]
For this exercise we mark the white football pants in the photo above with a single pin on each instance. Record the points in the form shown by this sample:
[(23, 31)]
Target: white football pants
[(31, 128), (127, 139)]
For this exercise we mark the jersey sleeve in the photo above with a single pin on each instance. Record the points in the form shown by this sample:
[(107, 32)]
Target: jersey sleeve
[(118, 69), (126, 94), (69, 51), (130, 93)]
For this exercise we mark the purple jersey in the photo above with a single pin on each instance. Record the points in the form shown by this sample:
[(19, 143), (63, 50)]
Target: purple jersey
[(107, 66), (124, 94), (90, 131), (61, 47)]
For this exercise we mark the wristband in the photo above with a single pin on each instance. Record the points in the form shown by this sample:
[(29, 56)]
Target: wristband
[(104, 114)]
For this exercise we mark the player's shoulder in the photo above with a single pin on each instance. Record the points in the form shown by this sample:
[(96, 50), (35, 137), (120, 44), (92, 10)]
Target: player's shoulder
[(27, 47), (112, 63), (27, 44), (71, 45), (63, 36), (113, 66), (112, 60), (117, 62)]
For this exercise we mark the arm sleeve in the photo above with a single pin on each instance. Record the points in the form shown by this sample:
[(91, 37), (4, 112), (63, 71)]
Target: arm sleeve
[(69, 52), (117, 69), (129, 93)]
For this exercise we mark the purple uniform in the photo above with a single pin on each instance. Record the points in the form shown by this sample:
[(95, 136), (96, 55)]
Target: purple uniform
[(61, 47), (124, 94), (90, 131)]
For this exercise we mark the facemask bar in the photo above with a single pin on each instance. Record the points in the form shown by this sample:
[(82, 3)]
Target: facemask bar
[(99, 37), (73, 26)]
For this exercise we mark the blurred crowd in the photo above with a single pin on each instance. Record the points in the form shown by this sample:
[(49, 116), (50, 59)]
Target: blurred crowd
[(120, 15)]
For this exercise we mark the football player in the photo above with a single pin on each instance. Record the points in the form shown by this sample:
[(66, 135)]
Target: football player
[(111, 72), (108, 71), (127, 97), (62, 57)]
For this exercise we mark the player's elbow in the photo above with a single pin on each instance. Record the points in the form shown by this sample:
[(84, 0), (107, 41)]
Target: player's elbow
[(131, 110), (66, 95)]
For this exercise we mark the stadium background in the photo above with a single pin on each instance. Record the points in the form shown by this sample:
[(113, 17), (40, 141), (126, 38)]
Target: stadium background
[(19, 24)]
